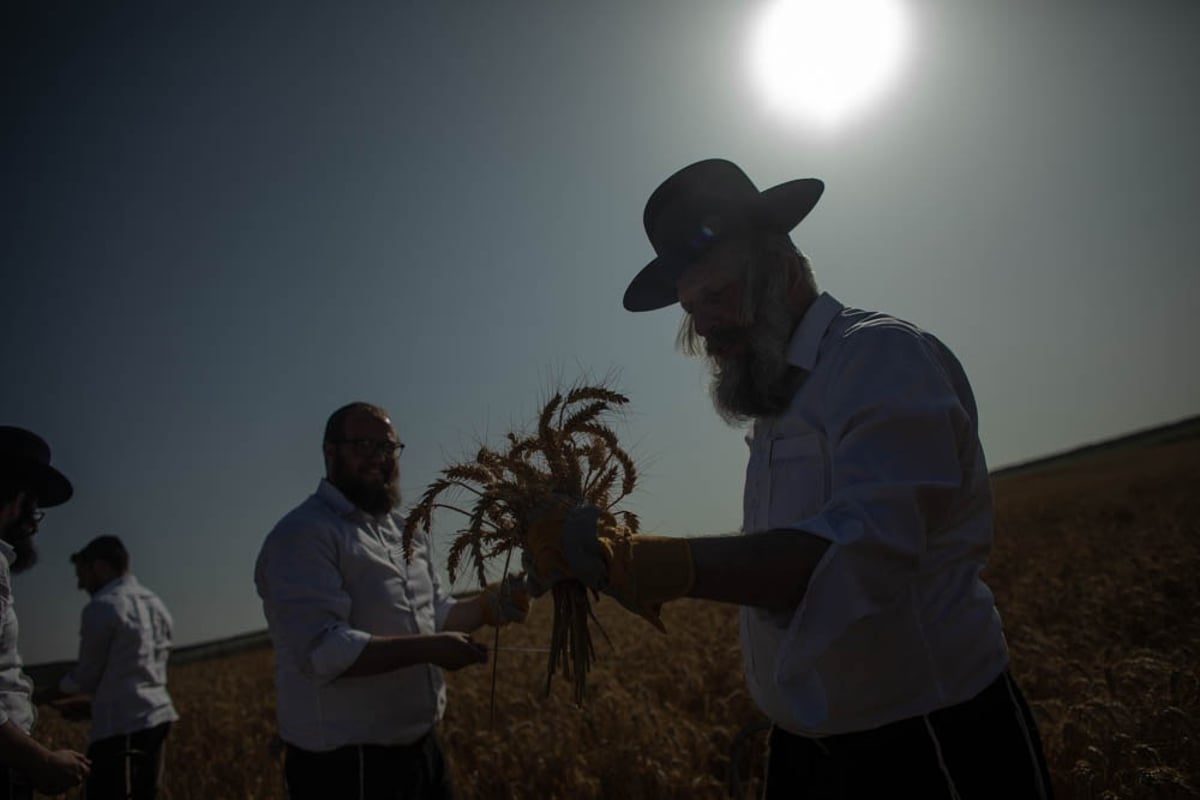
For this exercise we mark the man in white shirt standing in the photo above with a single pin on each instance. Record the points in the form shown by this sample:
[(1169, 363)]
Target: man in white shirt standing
[(361, 635), (868, 636), (124, 643), (27, 485)]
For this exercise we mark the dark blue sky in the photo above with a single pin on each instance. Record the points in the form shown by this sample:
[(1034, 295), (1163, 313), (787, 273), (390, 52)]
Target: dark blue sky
[(221, 223)]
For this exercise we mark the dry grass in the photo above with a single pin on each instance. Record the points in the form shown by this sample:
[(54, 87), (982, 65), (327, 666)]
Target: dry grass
[(1095, 572)]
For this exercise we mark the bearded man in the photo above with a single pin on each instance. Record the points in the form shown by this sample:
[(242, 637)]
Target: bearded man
[(28, 483), (869, 638), (361, 635)]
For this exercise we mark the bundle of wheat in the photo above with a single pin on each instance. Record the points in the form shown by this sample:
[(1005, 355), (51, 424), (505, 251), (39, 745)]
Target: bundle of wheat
[(572, 453)]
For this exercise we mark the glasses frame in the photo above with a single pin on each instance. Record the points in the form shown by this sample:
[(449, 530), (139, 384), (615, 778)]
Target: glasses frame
[(368, 448)]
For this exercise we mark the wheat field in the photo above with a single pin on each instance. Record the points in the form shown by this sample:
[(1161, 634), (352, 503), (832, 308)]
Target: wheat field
[(1094, 570)]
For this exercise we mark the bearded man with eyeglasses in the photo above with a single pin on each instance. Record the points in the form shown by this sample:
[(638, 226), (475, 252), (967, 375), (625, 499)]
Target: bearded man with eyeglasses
[(361, 634), (27, 484)]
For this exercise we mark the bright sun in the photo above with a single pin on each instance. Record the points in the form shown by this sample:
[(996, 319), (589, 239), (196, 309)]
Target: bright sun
[(823, 59)]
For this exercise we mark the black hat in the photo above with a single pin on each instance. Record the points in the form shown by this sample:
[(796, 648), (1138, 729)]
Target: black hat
[(700, 205), (25, 458)]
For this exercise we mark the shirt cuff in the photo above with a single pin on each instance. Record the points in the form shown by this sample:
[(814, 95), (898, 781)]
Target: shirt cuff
[(68, 685), (440, 610), (339, 648)]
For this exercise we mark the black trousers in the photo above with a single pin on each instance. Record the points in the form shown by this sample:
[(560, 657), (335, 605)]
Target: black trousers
[(13, 785), (986, 748), (127, 767), (370, 772)]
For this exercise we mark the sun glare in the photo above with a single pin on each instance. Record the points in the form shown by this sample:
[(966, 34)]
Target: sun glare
[(822, 60)]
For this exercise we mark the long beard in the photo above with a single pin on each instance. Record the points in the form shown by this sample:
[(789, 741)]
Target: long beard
[(372, 497), (22, 545), (760, 382), (27, 555)]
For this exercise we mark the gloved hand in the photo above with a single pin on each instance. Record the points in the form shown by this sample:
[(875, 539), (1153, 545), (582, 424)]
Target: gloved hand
[(505, 601), (560, 525), (641, 572)]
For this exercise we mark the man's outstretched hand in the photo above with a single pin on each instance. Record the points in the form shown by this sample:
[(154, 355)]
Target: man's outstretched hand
[(567, 540)]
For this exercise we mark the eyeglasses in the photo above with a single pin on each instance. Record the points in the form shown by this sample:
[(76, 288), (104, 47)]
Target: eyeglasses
[(365, 448)]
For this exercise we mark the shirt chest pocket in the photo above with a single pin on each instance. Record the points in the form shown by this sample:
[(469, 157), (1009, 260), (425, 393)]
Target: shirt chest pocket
[(376, 575), (797, 486)]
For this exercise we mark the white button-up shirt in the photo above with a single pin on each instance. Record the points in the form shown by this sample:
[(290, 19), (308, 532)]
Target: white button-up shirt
[(331, 576), (16, 689), (879, 454), (124, 643)]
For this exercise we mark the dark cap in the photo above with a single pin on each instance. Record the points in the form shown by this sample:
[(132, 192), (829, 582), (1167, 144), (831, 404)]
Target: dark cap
[(25, 458), (700, 205), (103, 548)]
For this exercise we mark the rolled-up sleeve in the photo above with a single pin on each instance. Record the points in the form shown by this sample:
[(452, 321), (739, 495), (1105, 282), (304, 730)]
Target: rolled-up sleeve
[(98, 624), (896, 423), (305, 601), (442, 602), (10, 669)]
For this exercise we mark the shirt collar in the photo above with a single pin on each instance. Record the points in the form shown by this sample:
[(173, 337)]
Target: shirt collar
[(7, 551), (333, 497), (338, 504), (805, 343), (121, 580)]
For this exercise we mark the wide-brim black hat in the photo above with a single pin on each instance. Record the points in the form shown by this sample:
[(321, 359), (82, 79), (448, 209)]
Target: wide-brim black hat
[(25, 458), (700, 205)]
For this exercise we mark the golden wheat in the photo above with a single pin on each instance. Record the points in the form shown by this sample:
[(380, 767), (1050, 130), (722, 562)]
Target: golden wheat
[(571, 454)]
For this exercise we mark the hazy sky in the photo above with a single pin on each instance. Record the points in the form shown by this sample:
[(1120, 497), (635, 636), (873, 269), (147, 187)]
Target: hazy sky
[(221, 223)]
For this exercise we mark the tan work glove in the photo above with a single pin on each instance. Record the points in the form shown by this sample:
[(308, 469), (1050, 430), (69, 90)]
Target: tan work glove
[(543, 558), (641, 572), (505, 601)]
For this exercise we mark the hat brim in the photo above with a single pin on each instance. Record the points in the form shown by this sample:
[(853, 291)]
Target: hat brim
[(52, 487), (775, 210)]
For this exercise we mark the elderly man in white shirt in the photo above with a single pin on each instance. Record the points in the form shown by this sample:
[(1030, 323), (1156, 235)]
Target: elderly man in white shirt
[(27, 485), (361, 635), (869, 638), (124, 644)]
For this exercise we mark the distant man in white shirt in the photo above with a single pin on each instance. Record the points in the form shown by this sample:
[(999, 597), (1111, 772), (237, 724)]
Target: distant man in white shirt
[(361, 636), (869, 639), (27, 485), (124, 643)]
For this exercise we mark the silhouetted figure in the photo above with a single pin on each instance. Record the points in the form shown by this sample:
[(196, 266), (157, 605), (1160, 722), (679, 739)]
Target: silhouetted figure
[(869, 638), (27, 485), (361, 636), (124, 643)]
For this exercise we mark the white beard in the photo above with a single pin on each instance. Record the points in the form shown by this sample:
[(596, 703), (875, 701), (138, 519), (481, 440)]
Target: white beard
[(760, 382)]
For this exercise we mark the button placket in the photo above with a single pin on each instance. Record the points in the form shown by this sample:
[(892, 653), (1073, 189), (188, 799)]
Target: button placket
[(764, 433)]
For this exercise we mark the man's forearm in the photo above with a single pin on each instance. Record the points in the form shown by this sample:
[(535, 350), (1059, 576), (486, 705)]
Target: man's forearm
[(389, 653), (465, 615), (768, 570), (19, 750)]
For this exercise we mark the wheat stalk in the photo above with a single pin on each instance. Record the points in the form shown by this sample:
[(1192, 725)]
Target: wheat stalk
[(571, 452)]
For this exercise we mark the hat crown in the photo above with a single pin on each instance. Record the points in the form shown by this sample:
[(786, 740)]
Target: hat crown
[(700, 205), (25, 458), (696, 205), (18, 446)]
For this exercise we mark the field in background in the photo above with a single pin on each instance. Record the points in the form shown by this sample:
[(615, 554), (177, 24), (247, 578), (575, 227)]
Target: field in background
[(1095, 571)]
